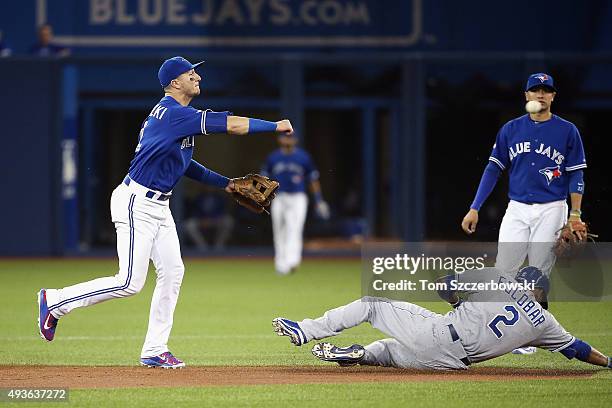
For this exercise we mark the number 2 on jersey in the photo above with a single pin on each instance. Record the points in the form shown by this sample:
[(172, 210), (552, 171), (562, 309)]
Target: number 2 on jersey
[(500, 318)]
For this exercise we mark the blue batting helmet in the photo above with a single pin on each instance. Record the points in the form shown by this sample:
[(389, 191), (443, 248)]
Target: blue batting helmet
[(530, 274)]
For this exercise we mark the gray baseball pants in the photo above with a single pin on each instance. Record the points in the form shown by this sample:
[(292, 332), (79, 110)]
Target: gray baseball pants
[(421, 339)]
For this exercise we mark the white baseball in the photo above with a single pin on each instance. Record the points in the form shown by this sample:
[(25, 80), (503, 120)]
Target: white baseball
[(533, 106)]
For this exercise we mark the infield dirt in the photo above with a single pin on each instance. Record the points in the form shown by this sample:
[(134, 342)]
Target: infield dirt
[(127, 377)]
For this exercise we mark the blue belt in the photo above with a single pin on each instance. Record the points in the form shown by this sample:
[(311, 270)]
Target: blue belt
[(455, 337), (150, 193)]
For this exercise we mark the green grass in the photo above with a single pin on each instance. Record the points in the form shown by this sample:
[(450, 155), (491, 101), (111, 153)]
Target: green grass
[(223, 318)]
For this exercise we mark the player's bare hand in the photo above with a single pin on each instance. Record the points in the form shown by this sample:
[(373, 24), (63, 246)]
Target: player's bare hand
[(469, 221), (284, 126), (230, 187)]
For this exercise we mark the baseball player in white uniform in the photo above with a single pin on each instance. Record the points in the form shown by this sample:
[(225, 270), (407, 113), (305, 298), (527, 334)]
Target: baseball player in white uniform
[(480, 327), (544, 156), (141, 213), (293, 168)]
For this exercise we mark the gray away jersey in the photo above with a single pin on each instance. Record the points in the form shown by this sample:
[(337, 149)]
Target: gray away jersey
[(491, 324)]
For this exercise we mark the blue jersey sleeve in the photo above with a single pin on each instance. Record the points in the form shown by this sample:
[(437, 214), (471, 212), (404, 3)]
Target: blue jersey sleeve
[(499, 154), (310, 170), (187, 121), (575, 159), (215, 122)]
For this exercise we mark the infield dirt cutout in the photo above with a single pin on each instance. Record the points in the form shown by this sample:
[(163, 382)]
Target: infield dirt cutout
[(126, 377)]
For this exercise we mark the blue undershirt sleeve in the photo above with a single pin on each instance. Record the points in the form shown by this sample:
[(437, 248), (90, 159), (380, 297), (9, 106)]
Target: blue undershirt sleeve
[(487, 183), (205, 175), (576, 181)]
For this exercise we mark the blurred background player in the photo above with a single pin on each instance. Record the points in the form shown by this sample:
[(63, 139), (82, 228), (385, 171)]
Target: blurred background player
[(544, 156), (45, 47), (209, 218), (293, 168)]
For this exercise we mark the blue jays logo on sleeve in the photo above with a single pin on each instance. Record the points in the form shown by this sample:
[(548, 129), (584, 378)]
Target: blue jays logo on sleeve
[(551, 173)]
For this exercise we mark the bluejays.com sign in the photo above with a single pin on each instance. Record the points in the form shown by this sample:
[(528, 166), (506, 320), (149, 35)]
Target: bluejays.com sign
[(243, 23)]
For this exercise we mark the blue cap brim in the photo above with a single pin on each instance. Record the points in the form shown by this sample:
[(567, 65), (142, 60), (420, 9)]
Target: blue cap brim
[(543, 86), (194, 66)]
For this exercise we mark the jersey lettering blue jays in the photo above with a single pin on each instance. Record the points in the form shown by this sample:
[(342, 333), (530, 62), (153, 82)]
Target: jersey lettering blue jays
[(538, 156), (165, 144), (293, 171)]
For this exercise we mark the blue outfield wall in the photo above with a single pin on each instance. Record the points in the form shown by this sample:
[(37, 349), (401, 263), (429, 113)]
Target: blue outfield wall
[(30, 113)]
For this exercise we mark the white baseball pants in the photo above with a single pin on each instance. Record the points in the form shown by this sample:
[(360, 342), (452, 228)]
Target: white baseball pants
[(288, 212), (145, 230), (530, 230)]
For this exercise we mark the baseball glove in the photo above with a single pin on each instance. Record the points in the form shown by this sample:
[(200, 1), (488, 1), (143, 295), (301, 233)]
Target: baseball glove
[(574, 233), (254, 192)]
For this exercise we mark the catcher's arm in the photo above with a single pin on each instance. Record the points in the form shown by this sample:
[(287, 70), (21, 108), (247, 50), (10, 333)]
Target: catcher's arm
[(239, 125)]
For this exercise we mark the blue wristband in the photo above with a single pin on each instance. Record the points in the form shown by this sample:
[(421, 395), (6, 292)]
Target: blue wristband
[(260, 126)]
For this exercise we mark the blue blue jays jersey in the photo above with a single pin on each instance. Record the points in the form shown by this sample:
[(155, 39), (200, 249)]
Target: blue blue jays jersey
[(538, 156), (165, 145), (292, 171)]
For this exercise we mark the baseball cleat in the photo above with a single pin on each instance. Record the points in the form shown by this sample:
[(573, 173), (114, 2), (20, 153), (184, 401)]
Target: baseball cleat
[(289, 328), (164, 360), (525, 350), (345, 356), (46, 321)]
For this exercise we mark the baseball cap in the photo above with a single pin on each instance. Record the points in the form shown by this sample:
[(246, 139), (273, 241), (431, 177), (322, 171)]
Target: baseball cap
[(172, 68), (540, 79)]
